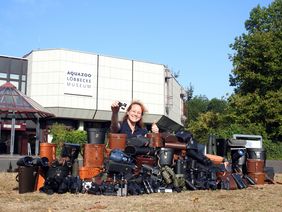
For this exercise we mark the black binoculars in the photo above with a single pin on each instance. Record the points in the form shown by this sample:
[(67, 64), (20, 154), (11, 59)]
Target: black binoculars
[(122, 105), (70, 150), (119, 156)]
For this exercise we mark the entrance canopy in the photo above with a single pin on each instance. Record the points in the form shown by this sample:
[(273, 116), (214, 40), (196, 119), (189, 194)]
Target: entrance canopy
[(12, 101), (15, 105)]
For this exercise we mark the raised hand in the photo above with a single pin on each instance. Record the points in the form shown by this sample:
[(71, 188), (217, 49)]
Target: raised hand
[(155, 128), (115, 106)]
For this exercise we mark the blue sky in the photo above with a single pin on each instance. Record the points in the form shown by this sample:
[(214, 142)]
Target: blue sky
[(191, 37)]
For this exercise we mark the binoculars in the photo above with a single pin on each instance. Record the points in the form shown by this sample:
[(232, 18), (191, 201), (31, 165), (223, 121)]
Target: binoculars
[(30, 161), (70, 150), (120, 157), (122, 105)]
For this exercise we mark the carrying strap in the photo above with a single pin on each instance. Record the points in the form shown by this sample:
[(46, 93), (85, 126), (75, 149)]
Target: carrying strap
[(268, 179)]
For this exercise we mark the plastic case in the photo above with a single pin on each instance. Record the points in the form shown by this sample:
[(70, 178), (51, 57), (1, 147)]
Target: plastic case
[(252, 141)]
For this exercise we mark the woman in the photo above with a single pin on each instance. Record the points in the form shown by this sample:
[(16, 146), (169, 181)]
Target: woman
[(132, 123)]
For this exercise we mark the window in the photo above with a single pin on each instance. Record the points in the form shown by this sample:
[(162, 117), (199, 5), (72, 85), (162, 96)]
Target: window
[(3, 75), (23, 87), (23, 77), (14, 76)]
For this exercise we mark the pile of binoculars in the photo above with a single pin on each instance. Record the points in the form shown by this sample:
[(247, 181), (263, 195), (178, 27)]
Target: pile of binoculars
[(160, 162)]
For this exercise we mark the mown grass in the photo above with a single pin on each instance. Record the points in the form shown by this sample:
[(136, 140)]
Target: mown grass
[(257, 198)]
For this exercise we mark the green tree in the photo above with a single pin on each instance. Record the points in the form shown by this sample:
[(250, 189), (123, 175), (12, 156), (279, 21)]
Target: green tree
[(195, 106), (189, 92), (258, 54), (256, 107), (205, 124), (217, 105), (257, 72), (205, 116)]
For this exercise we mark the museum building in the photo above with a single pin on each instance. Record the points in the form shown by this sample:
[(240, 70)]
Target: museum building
[(79, 87)]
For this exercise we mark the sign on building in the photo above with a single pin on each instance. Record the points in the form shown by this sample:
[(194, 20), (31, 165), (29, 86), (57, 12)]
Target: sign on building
[(79, 82)]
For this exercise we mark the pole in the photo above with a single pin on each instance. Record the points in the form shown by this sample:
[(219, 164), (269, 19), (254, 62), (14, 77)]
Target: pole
[(12, 134), (37, 137), (0, 127)]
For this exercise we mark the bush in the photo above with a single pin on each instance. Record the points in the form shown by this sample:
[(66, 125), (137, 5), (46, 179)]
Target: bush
[(273, 150), (63, 135), (76, 137)]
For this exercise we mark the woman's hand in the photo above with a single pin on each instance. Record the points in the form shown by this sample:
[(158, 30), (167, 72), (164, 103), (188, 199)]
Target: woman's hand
[(114, 128), (115, 107), (155, 128)]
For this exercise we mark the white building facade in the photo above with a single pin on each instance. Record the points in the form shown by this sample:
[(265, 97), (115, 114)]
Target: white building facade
[(82, 86)]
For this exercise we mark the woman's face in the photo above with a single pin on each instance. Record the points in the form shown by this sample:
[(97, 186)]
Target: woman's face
[(135, 113)]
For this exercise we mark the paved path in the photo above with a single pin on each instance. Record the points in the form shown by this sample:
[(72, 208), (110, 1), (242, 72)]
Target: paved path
[(276, 164), (6, 160)]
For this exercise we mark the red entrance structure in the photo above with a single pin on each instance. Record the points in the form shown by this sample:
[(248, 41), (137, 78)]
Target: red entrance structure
[(14, 105)]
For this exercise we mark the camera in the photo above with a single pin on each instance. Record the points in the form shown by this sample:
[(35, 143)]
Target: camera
[(122, 105), (86, 185)]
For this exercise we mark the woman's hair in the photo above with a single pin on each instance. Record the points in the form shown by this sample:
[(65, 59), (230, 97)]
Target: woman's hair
[(136, 102)]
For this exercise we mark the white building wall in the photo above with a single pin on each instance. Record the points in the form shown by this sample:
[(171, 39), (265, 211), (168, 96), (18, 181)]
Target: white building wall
[(148, 86), (47, 77), (175, 110), (115, 81), (111, 79)]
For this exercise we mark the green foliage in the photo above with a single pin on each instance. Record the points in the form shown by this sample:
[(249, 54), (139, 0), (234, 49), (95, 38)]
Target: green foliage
[(257, 73), (265, 111), (257, 60), (217, 105), (256, 106), (273, 150), (76, 136), (245, 109), (195, 106), (227, 131), (205, 124), (272, 110), (58, 131), (61, 135), (189, 92), (205, 116)]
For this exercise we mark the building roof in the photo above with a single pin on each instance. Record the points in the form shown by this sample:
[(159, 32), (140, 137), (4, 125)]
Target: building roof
[(12, 101)]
